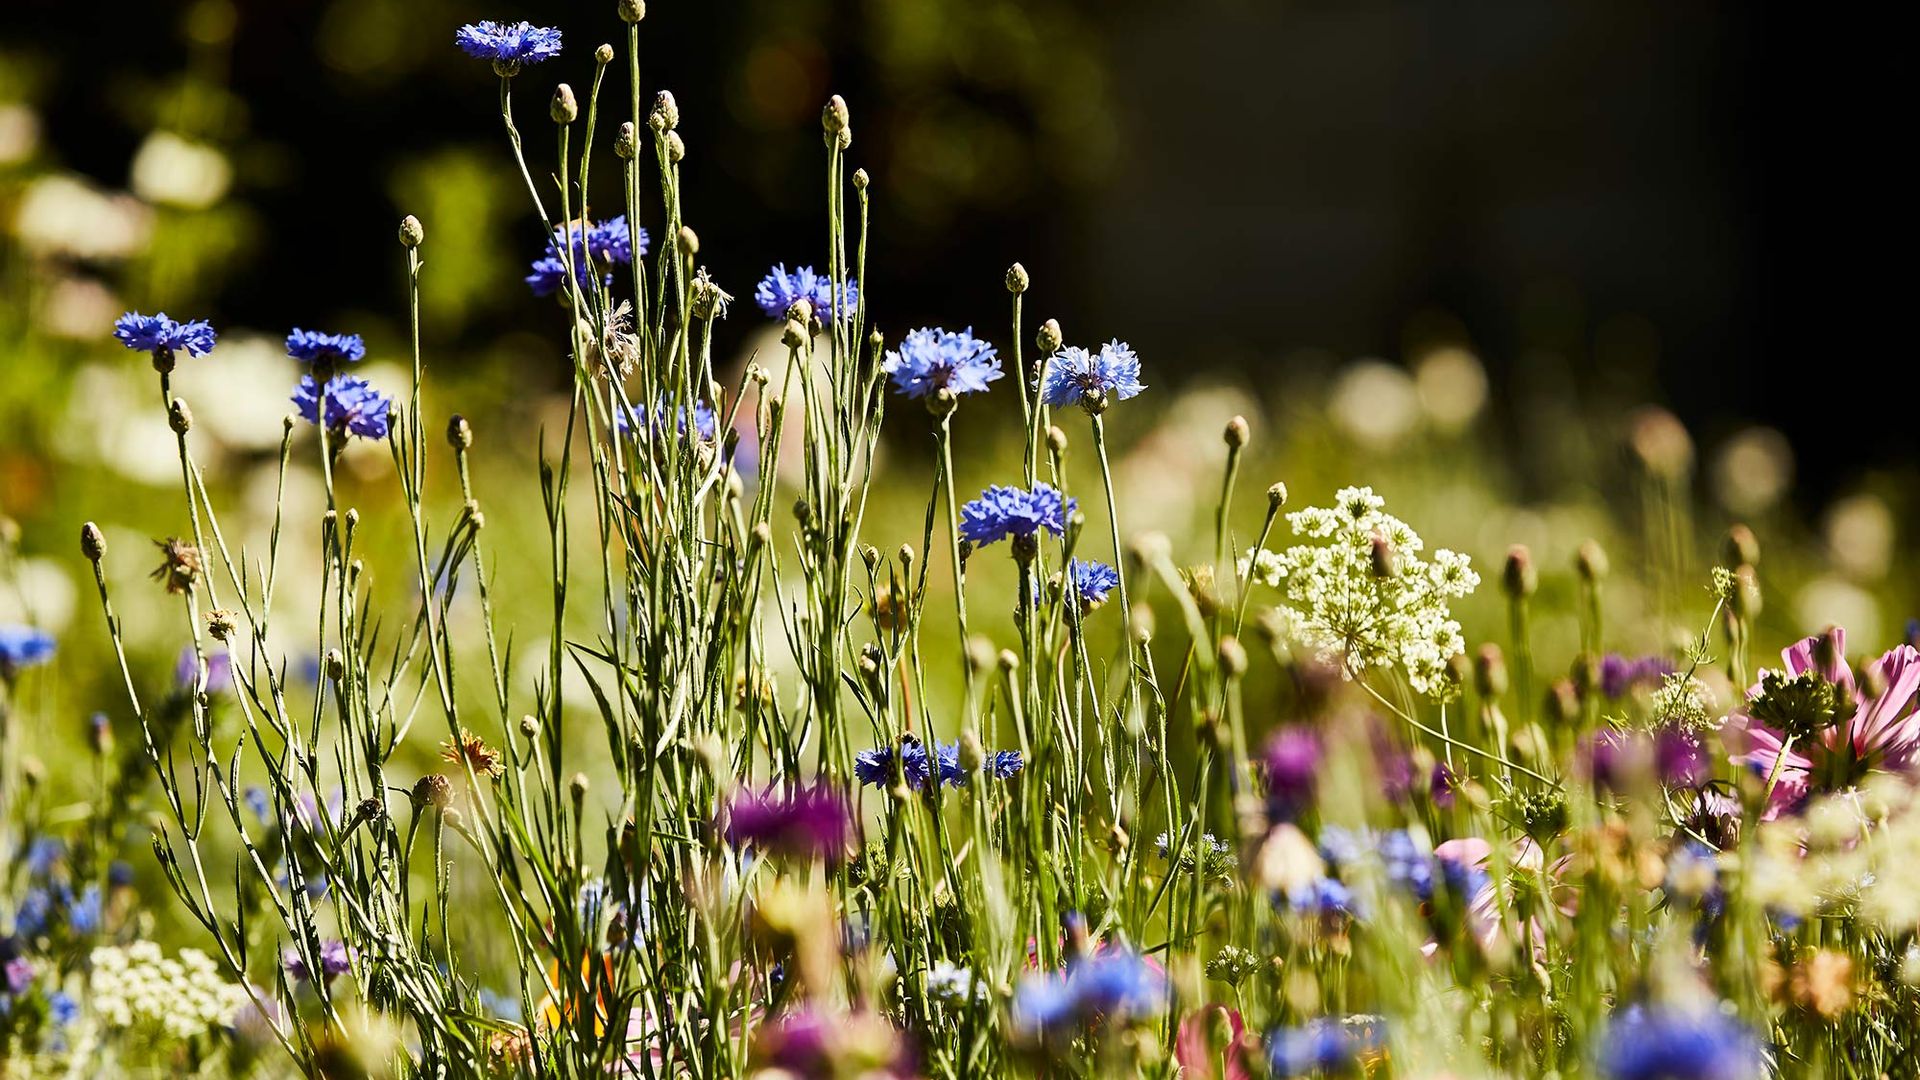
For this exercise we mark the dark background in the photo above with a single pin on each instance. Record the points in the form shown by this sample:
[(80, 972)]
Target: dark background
[(1692, 202)]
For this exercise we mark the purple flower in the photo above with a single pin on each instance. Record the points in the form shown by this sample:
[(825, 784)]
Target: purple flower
[(1620, 675), (1293, 765), (807, 822), (219, 670), (640, 419), (325, 350), (508, 45), (19, 975), (336, 959), (779, 290), (354, 407), (1003, 512), (1093, 380), (162, 336), (931, 360), (1656, 1043), (1320, 1046), (1113, 984)]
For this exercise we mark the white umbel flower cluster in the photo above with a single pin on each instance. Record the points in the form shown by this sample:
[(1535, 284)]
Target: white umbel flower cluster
[(139, 986), (1364, 598)]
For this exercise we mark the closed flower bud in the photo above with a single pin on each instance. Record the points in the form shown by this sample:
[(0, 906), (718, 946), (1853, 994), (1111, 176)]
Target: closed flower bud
[(1048, 339), (631, 11), (1017, 280), (334, 665), (1591, 562), (603, 55), (1746, 592), (1276, 496), (972, 754), (93, 544), (906, 556), (1563, 703), (179, 417), (1233, 657), (981, 654), (942, 402), (1742, 547), (411, 232), (220, 623), (563, 108), (676, 148), (666, 112), (454, 818), (834, 118), (370, 809), (762, 533), (860, 180), (795, 335), (1056, 440), (432, 790), (530, 727), (459, 432), (1519, 578), (1489, 671), (689, 241), (1236, 433), (100, 734), (578, 786), (1140, 624), (1009, 661), (626, 146)]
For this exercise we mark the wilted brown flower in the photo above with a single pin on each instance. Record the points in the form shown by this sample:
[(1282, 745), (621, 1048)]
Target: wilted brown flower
[(181, 567), (472, 750)]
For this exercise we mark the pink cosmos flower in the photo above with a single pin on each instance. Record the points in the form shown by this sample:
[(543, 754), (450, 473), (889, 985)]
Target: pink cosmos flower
[(1882, 733)]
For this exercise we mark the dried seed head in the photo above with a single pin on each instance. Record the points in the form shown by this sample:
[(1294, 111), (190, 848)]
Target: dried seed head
[(603, 55), (370, 809), (1048, 339), (1236, 434), (631, 11), (179, 417), (1017, 280), (1519, 577), (563, 108), (411, 232), (220, 624), (666, 112), (180, 565), (626, 146), (93, 544), (432, 790)]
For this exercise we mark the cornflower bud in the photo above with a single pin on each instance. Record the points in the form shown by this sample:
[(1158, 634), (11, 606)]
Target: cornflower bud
[(1056, 441), (578, 786), (631, 11), (530, 727), (981, 654), (676, 147), (220, 624), (834, 118), (906, 556), (1591, 562), (1009, 661), (626, 146), (411, 232), (1233, 657), (1519, 578), (972, 754), (1276, 496), (459, 432), (795, 335), (432, 790), (370, 809), (1017, 280), (1742, 547), (1236, 433), (1140, 624), (689, 241), (603, 55), (179, 417), (100, 734), (1049, 338), (860, 180), (666, 113), (93, 543), (335, 665), (1746, 592), (563, 109), (1489, 671)]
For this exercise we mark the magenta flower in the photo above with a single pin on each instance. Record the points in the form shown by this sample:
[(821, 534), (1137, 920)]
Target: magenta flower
[(809, 822), (1811, 728)]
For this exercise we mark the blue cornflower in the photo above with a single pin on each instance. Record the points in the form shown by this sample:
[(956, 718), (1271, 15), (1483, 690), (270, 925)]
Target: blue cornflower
[(1321, 1045), (1342, 846), (1323, 896), (1114, 984), (354, 407), (875, 767), (62, 1009), (596, 246), (1092, 581), (162, 336), (548, 275), (640, 419), (946, 760), (83, 913), (42, 854), (508, 45), (1092, 380), (1002, 512), (255, 799), (23, 647), (1676, 1044), (779, 290), (1408, 865), (1003, 764), (930, 360), (325, 350)]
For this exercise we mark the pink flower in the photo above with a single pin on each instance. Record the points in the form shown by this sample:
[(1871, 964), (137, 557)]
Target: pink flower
[(1193, 1050), (1801, 752)]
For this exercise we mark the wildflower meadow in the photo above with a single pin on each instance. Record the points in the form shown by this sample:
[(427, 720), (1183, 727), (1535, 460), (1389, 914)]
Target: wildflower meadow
[(888, 701)]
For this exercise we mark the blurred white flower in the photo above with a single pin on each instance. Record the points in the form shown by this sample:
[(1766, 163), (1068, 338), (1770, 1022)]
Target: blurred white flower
[(1375, 404), (41, 594), (62, 215), (79, 309), (1832, 601), (1753, 470), (241, 397), (172, 171), (1860, 533), (19, 133)]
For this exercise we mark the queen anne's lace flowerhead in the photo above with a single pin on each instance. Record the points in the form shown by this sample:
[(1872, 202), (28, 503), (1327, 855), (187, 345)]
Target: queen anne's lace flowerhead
[(1092, 380), (1006, 512), (508, 45), (1338, 604), (162, 336), (354, 407), (138, 987), (930, 360), (779, 290), (325, 350)]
